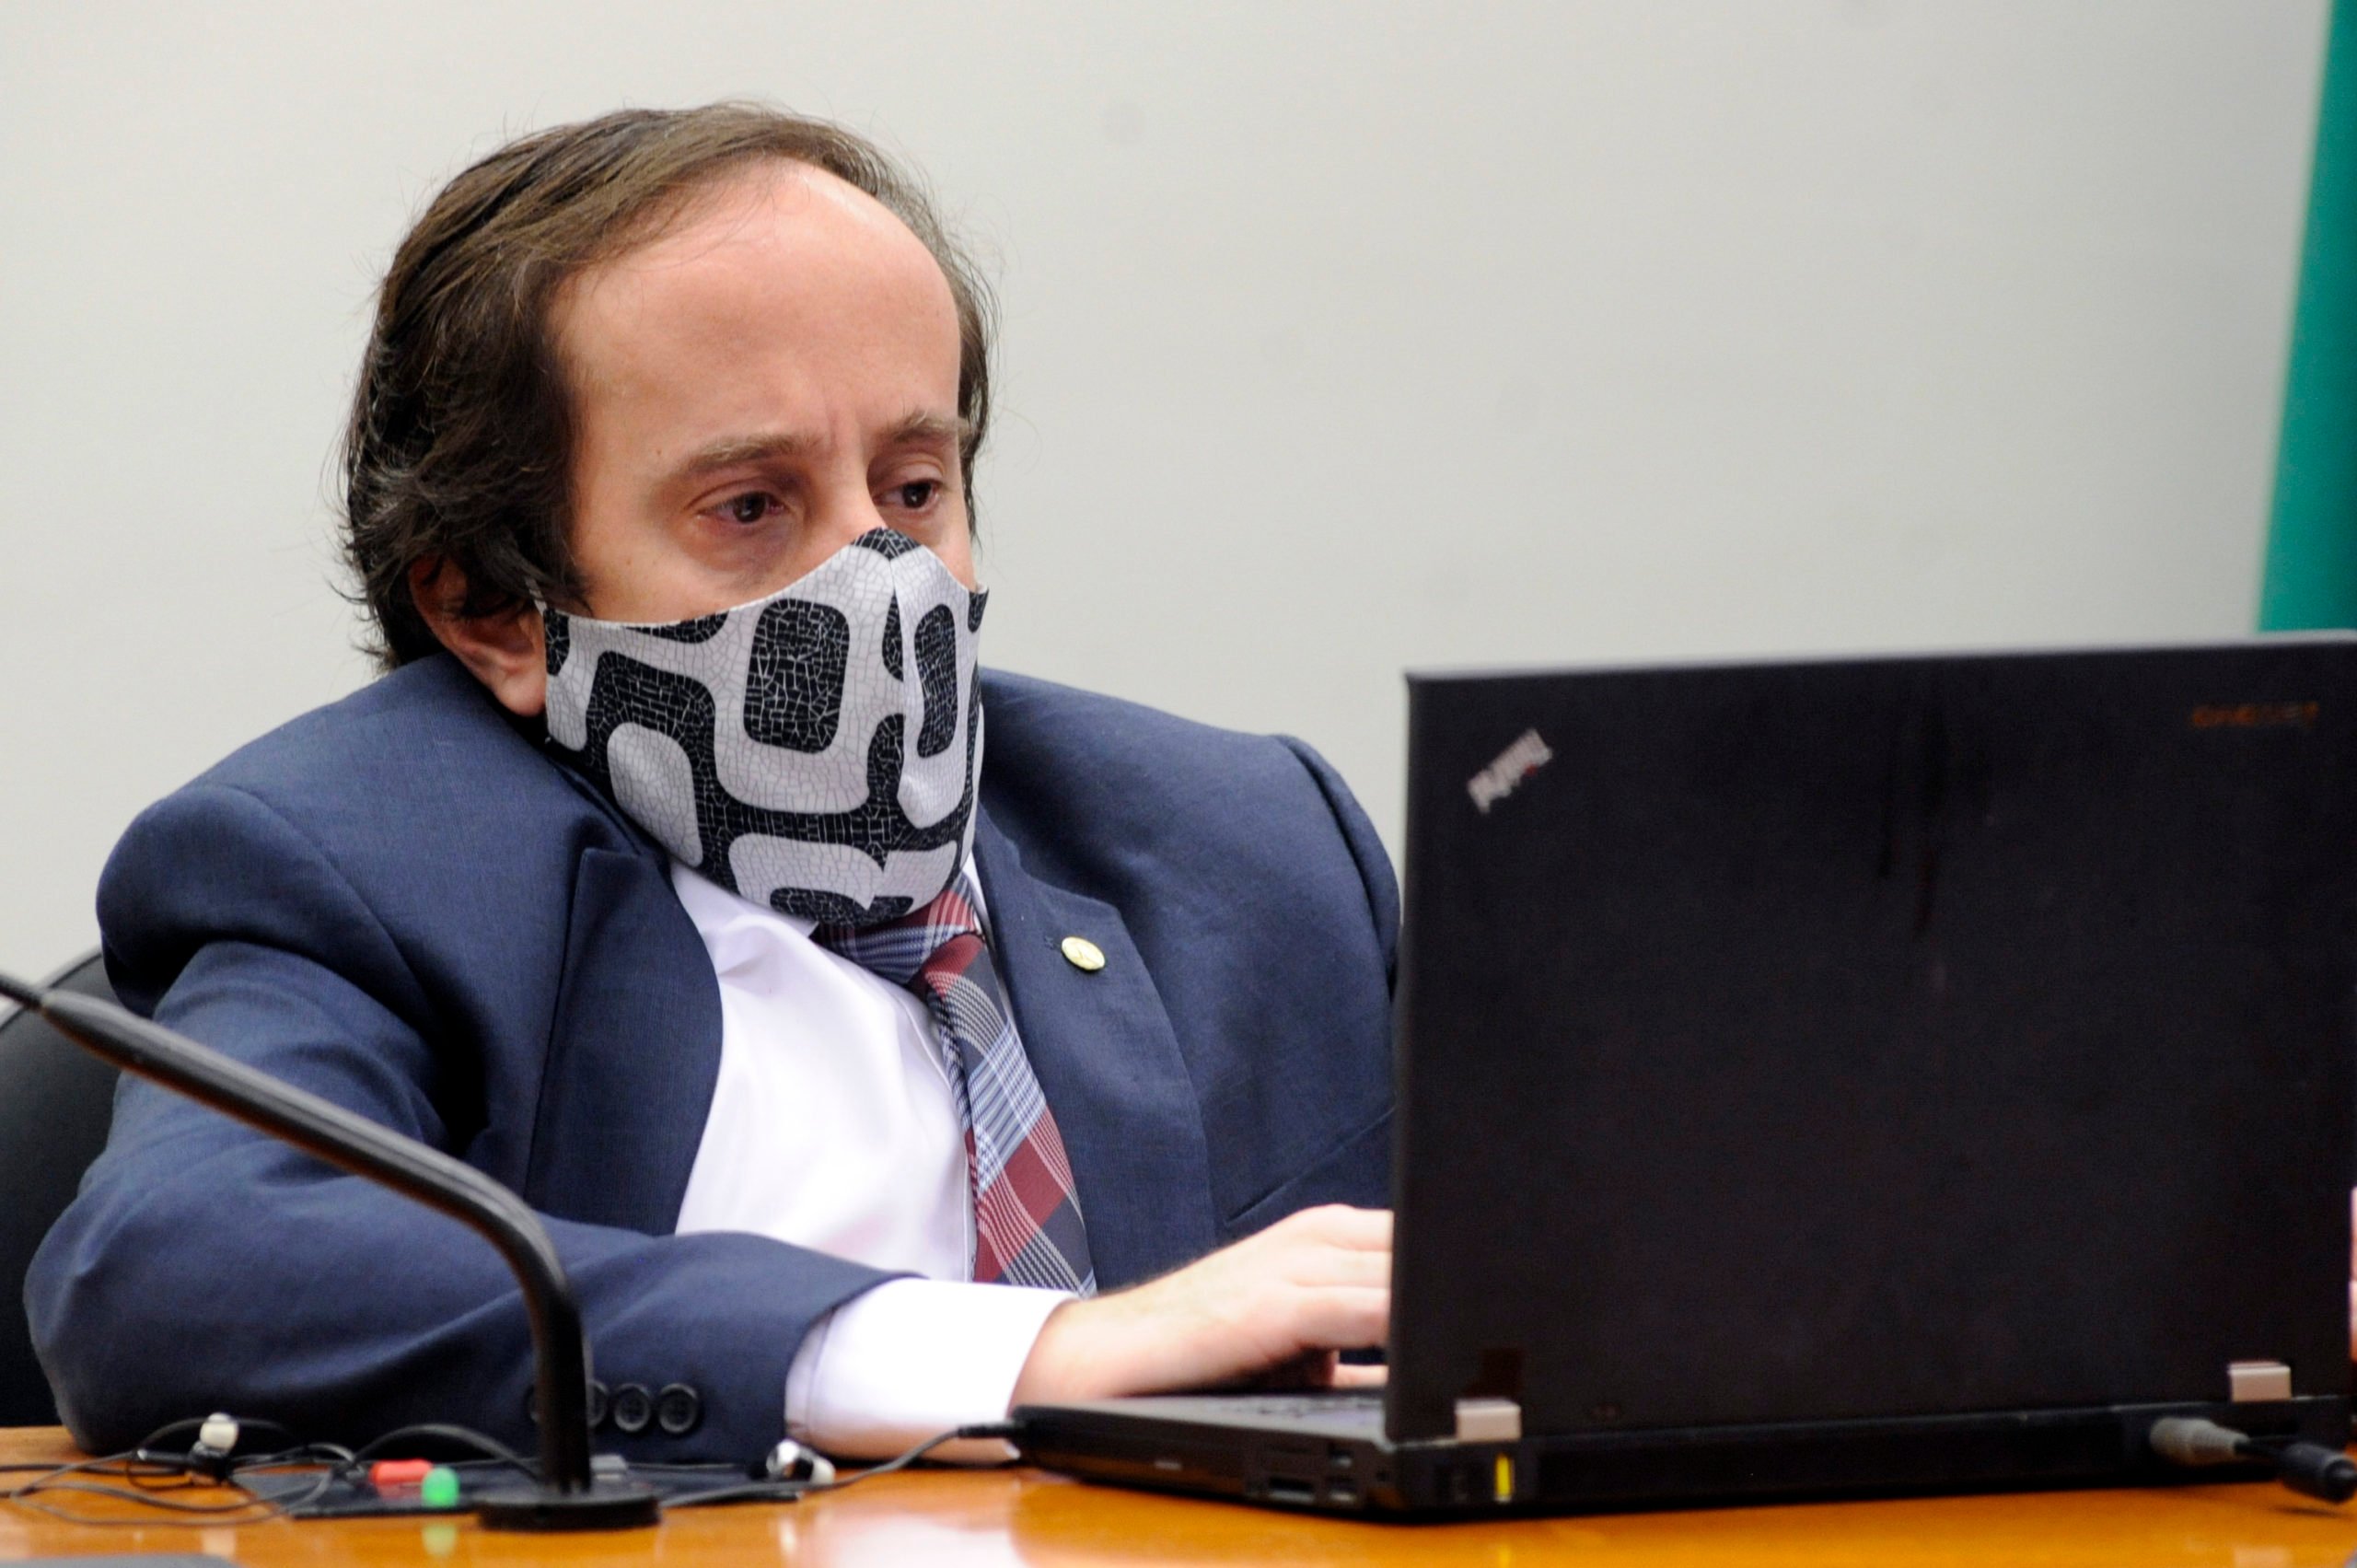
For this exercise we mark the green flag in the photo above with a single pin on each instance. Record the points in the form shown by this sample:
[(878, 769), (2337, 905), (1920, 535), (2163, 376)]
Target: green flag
[(2312, 537)]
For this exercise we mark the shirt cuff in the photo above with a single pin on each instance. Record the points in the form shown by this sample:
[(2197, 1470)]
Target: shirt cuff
[(911, 1359)]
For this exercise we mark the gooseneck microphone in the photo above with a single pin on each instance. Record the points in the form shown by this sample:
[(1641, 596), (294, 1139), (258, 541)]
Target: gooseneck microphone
[(568, 1497)]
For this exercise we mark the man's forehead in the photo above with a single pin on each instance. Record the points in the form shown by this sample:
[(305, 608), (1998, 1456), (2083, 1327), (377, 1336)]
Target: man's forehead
[(771, 203), (775, 251)]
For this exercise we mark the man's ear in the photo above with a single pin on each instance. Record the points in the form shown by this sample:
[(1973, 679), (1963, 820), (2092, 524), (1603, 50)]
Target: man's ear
[(503, 651)]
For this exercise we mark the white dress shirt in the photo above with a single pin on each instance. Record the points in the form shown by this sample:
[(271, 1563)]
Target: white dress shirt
[(834, 1126)]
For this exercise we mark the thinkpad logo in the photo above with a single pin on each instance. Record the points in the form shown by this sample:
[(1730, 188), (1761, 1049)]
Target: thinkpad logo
[(1516, 763)]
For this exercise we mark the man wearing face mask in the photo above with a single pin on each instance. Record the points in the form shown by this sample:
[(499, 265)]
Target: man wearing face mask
[(884, 1041)]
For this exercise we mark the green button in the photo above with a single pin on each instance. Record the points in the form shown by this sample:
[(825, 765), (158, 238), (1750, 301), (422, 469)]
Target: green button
[(440, 1488)]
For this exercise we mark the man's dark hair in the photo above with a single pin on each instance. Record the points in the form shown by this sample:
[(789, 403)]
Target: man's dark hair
[(459, 448)]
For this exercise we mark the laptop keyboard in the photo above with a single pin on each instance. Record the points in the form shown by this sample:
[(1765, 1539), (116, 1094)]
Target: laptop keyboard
[(1289, 1407)]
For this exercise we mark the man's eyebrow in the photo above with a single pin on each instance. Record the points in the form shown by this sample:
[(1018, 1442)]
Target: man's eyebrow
[(921, 427), (731, 450)]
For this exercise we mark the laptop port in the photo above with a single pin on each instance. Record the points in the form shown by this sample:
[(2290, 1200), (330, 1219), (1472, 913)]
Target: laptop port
[(1338, 1461), (1343, 1494), (1284, 1488), (1465, 1481)]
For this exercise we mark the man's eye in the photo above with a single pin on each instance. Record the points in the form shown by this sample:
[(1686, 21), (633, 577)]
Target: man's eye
[(751, 508), (917, 494)]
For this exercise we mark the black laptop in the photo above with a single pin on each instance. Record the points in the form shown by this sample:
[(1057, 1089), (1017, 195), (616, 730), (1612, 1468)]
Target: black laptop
[(1819, 1078)]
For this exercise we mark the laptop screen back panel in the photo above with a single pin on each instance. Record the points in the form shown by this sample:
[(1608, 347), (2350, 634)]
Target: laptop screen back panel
[(1853, 1040)]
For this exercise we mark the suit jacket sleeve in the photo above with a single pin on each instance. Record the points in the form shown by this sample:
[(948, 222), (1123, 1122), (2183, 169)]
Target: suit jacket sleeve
[(1367, 853), (205, 1266)]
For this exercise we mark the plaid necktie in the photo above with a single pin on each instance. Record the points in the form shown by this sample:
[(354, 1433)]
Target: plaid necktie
[(1027, 1229)]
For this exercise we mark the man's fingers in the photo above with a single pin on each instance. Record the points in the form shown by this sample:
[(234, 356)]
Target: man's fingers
[(1348, 1375), (1340, 1266), (1367, 1229), (1314, 1283), (1342, 1316)]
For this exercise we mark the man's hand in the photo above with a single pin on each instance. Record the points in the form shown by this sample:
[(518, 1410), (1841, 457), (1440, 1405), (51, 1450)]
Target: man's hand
[(1281, 1302)]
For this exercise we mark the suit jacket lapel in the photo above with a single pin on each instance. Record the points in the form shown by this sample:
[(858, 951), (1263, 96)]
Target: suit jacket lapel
[(1104, 1053), (628, 1080)]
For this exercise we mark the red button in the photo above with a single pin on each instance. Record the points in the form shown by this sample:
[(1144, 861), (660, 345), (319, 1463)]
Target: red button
[(398, 1472)]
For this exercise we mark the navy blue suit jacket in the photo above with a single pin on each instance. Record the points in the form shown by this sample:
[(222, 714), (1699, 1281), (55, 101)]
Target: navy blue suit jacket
[(401, 903)]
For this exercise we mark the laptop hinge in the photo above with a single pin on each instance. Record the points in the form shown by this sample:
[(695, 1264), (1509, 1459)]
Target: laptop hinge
[(1489, 1421)]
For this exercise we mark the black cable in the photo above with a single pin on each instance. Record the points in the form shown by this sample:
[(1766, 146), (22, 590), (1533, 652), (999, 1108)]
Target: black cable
[(147, 1471), (2310, 1468), (254, 1510), (457, 1437), (72, 1467), (178, 1465), (141, 1475), (147, 1444), (303, 1454), (743, 1491), (702, 1466), (980, 1430), (789, 1491), (148, 1499), (247, 1509)]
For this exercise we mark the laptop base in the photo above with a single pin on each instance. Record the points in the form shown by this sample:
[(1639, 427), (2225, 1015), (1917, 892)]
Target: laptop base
[(1330, 1457)]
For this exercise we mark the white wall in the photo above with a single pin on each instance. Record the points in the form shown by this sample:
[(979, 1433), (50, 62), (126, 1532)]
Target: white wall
[(1339, 337)]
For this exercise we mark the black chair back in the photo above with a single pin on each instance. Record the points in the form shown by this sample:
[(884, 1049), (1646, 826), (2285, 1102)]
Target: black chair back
[(56, 1101)]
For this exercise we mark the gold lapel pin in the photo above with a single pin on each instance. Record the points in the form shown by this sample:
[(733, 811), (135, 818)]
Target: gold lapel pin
[(1084, 955)]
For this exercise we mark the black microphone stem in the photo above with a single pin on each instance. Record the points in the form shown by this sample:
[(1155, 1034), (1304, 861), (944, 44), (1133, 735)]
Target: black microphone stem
[(353, 1143)]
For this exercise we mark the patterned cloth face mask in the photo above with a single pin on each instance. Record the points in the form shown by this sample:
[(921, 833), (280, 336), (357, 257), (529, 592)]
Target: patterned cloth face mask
[(814, 752)]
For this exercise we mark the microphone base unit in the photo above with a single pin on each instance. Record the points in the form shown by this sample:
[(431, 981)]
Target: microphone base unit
[(607, 1505)]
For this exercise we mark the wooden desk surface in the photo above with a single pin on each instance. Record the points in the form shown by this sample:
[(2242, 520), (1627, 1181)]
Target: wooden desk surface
[(1001, 1518)]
